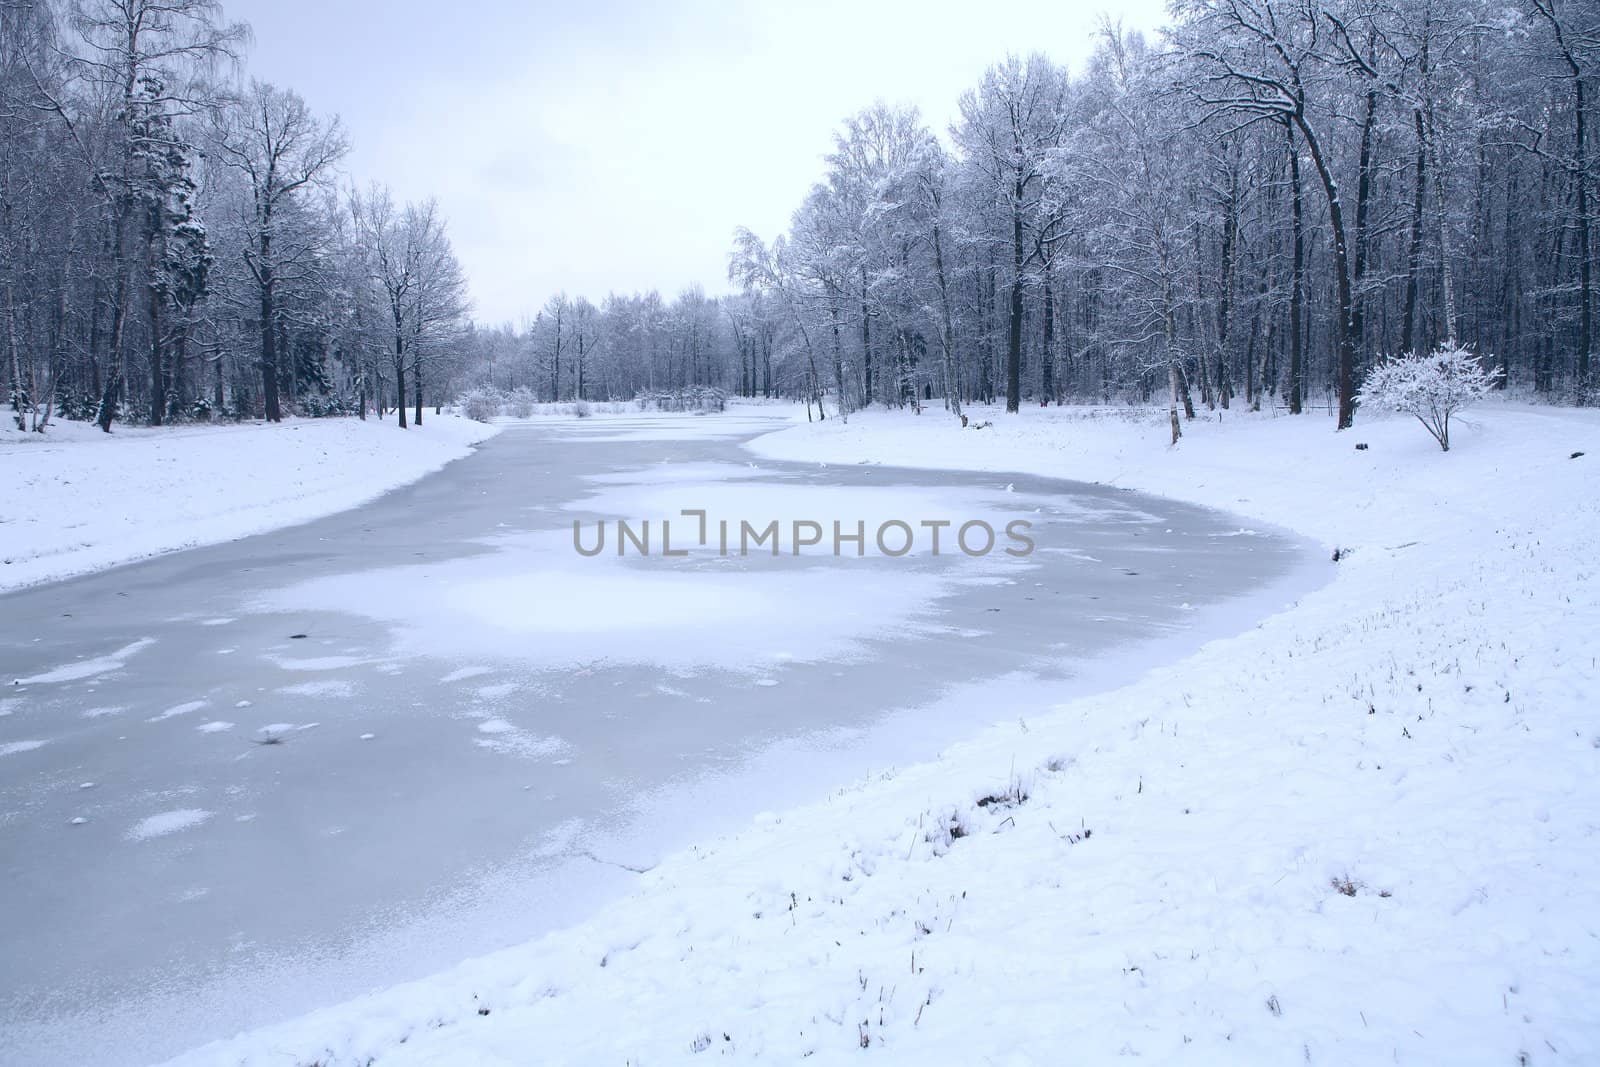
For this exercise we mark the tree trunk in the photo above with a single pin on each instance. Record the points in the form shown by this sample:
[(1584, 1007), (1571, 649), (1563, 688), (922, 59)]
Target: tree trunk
[(119, 324), (400, 378), (1358, 268), (269, 345), (1345, 332), (1414, 255), (18, 391), (158, 377), (838, 365), (866, 338), (1297, 288), (1585, 278), (1230, 226), (1048, 373), (1014, 330), (947, 344)]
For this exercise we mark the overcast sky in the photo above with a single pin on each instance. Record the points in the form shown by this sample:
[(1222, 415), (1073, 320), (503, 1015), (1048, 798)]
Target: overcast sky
[(600, 146)]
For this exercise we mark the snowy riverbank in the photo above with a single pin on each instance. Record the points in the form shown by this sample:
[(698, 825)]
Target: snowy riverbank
[(1362, 831), (79, 500)]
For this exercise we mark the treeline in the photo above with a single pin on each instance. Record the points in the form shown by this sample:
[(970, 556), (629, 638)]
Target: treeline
[(174, 243), (627, 346), (1255, 208)]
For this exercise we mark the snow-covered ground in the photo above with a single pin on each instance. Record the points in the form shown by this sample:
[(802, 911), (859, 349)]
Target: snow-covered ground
[(78, 500), (1363, 831)]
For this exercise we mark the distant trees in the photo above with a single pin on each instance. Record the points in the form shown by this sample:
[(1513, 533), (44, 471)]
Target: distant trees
[(1255, 204), (171, 242), (1258, 203), (1009, 127), (422, 291)]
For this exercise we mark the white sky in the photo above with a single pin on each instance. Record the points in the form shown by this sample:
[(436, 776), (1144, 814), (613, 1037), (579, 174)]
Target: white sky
[(601, 146)]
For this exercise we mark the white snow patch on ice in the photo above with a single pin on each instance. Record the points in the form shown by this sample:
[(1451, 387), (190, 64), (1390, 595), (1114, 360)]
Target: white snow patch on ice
[(319, 663), (168, 822), (461, 674), (178, 709), (523, 744), (88, 668), (536, 601), (98, 713), (214, 727), (11, 748), (327, 688), (677, 473)]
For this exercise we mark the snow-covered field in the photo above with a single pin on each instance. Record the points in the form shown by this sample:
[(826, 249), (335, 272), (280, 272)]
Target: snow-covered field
[(1364, 831), (78, 500)]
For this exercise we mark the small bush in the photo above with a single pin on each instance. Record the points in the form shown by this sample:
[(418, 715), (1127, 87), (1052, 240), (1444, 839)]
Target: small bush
[(519, 405), (480, 405), (1432, 387)]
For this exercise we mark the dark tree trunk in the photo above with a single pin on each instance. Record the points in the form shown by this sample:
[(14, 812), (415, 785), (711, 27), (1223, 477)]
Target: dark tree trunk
[(269, 346), (1297, 286), (1414, 253), (158, 376), (119, 324), (1048, 373), (1358, 269), (1345, 331), (866, 338), (1585, 279), (1230, 226), (1014, 330), (399, 374)]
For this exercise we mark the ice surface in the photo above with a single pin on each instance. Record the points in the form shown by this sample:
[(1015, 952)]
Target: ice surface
[(621, 697)]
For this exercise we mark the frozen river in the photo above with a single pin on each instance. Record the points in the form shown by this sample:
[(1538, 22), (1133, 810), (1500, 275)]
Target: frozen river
[(240, 782)]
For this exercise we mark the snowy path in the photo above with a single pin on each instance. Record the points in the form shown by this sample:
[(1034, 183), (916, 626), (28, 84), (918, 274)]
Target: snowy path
[(245, 781)]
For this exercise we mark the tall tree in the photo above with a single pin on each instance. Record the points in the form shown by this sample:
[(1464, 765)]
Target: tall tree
[(281, 148)]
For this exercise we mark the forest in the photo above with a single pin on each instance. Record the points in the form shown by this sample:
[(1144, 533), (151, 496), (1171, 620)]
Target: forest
[(175, 241), (1255, 206)]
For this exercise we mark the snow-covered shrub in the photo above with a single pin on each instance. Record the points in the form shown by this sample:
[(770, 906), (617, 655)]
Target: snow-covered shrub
[(581, 409), (1432, 387), (319, 406), (480, 405), (519, 405)]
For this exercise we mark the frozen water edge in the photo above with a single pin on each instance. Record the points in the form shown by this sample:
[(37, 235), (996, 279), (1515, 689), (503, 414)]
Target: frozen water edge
[(1357, 831), (395, 779)]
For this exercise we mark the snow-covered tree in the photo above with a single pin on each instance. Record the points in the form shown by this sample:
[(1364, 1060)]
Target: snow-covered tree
[(1432, 387), (272, 138)]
